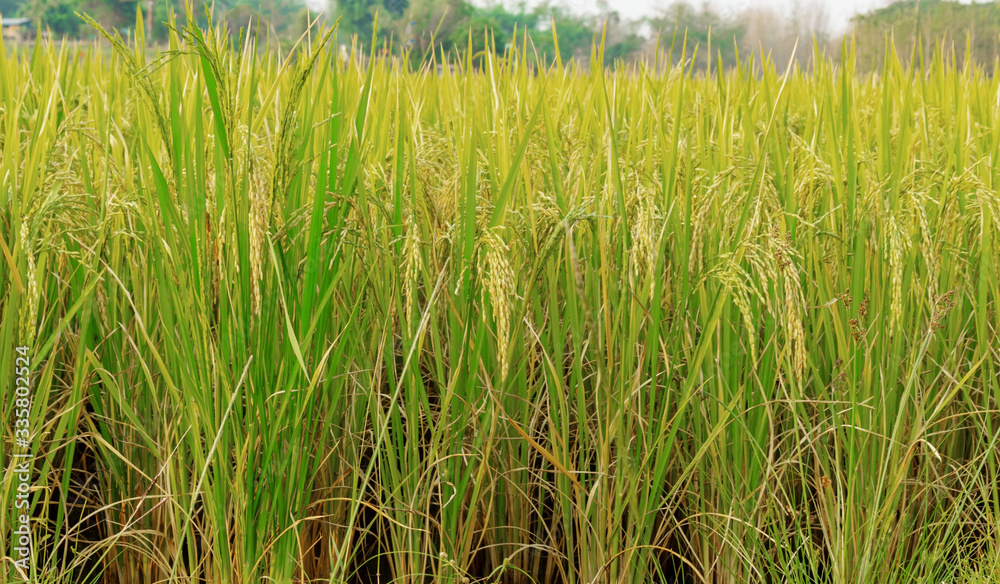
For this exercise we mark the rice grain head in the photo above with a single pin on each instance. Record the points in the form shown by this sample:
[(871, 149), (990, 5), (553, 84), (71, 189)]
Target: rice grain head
[(794, 301), (29, 309), (643, 250), (794, 329), (898, 246), (499, 283), (412, 264), (218, 245), (258, 231), (929, 252)]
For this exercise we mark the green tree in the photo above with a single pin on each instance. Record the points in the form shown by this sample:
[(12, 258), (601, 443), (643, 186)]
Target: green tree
[(9, 8), (280, 18), (495, 21), (357, 17), (55, 15), (576, 33)]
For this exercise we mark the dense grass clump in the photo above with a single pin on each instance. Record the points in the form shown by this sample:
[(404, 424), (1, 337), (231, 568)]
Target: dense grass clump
[(317, 320)]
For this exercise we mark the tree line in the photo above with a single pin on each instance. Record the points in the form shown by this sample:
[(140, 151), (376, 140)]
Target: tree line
[(917, 28)]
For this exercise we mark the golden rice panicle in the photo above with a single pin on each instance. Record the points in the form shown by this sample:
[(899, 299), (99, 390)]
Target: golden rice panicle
[(547, 215), (737, 281), (927, 249), (29, 308), (218, 245), (700, 222), (644, 237), (257, 222), (412, 263), (499, 283), (898, 246), (792, 310), (794, 330)]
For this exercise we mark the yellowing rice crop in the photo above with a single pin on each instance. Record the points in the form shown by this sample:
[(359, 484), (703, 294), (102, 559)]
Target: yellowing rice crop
[(309, 320)]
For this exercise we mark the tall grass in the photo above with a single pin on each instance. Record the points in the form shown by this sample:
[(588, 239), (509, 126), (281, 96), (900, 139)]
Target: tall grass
[(299, 319)]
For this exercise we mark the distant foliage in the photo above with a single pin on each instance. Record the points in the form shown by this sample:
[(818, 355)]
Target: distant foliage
[(8, 8), (687, 31), (423, 26), (918, 28), (710, 41), (421, 29), (283, 19), (358, 16)]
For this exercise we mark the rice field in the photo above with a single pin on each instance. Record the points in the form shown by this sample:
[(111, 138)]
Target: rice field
[(295, 318)]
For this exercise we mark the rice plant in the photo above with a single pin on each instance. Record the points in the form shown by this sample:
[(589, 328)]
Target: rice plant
[(296, 318)]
